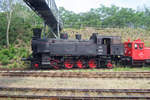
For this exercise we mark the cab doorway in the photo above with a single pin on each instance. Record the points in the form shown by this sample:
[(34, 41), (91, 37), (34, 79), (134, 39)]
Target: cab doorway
[(107, 42)]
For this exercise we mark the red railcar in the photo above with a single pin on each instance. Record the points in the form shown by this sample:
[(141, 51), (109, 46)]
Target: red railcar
[(137, 51)]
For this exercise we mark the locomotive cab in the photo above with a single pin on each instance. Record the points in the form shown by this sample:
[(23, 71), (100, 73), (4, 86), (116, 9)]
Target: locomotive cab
[(138, 53), (113, 45), (134, 49)]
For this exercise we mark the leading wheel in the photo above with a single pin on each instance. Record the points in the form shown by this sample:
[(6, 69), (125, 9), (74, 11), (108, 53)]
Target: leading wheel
[(35, 65)]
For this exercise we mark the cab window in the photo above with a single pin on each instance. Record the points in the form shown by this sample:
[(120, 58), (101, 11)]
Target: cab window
[(130, 45), (136, 46), (140, 46)]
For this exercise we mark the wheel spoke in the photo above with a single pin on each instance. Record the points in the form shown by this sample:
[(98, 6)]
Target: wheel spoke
[(68, 64), (80, 64), (92, 63), (55, 64)]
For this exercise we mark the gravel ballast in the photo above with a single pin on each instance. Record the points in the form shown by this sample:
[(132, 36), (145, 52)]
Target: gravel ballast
[(78, 83)]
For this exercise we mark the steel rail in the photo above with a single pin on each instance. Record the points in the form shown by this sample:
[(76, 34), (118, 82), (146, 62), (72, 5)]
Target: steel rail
[(76, 74), (74, 93)]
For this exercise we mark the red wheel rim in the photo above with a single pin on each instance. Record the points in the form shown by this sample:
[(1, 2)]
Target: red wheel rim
[(80, 64), (92, 63), (68, 64), (36, 65), (54, 64), (109, 65)]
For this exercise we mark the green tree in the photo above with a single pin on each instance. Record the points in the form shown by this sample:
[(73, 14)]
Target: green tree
[(7, 6)]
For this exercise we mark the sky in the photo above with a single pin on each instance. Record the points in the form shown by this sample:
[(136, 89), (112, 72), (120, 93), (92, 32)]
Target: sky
[(85, 5)]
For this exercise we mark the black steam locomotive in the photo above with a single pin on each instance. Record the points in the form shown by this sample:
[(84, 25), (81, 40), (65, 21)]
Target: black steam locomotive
[(98, 51), (56, 53)]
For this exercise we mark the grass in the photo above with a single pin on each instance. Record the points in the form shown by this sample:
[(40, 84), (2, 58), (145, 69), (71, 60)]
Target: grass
[(11, 57), (117, 69), (146, 68), (125, 33)]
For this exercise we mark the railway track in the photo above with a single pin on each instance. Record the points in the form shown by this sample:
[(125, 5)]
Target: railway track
[(34, 93), (75, 74), (74, 94)]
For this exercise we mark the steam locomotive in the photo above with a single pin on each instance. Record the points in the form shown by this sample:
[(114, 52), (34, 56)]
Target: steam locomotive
[(97, 52)]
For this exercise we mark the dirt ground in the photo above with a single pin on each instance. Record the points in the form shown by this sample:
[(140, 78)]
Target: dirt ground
[(78, 83)]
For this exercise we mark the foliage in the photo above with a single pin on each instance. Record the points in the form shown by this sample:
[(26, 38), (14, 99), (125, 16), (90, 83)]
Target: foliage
[(23, 19), (12, 56), (107, 17), (20, 33)]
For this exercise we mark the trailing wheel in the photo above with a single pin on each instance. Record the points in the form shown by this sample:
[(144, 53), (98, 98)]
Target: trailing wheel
[(92, 63), (109, 65)]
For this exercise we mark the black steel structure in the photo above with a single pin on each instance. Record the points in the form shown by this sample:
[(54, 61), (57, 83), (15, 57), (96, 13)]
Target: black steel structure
[(48, 11)]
